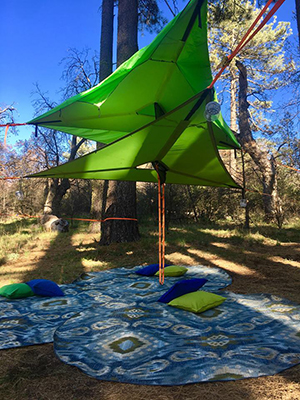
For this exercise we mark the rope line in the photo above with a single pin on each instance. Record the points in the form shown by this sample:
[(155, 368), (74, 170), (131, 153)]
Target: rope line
[(163, 234), (71, 219), (169, 7), (12, 124), (161, 228), (7, 178), (287, 166), (6, 130), (263, 23), (245, 39)]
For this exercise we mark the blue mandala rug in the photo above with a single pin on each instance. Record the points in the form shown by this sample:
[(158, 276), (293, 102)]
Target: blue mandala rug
[(155, 344), (111, 326), (33, 320)]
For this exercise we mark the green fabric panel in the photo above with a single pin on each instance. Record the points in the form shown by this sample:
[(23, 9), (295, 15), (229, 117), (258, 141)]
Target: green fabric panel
[(225, 137), (193, 61), (169, 71), (185, 148), (16, 291), (197, 301), (106, 136), (132, 174), (101, 93), (148, 110), (134, 150)]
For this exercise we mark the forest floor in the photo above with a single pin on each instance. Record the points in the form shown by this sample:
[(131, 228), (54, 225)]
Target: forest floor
[(266, 260)]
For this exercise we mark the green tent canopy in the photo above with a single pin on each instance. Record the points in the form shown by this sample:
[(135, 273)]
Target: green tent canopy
[(151, 110)]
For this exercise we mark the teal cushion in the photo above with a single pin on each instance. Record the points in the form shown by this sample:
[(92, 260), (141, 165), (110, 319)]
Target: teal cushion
[(174, 270), (197, 302), (16, 291)]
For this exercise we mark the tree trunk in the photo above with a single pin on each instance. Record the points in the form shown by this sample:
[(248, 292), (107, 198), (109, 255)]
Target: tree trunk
[(127, 43), (57, 188), (99, 188), (298, 17), (106, 41), (121, 196), (55, 192), (265, 163), (233, 116)]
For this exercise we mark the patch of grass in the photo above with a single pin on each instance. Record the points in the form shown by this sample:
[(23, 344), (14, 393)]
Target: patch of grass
[(258, 261)]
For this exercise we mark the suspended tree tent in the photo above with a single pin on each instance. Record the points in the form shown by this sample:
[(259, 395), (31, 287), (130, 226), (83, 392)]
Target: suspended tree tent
[(151, 110), (150, 114)]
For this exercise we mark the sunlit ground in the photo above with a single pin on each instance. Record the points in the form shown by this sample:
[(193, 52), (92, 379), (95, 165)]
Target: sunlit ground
[(265, 260)]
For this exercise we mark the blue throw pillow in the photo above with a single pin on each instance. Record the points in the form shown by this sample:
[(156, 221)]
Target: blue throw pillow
[(44, 287), (182, 287), (149, 270)]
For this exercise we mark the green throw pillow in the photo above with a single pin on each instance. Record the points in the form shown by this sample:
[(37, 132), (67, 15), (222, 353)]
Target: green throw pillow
[(174, 270), (16, 291), (197, 302)]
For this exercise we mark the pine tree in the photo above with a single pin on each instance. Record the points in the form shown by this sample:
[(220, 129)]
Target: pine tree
[(119, 198), (262, 64)]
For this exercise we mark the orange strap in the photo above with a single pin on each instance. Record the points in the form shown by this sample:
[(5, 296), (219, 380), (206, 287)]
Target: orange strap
[(6, 130), (9, 178), (70, 219), (100, 220), (2, 125), (163, 234), (246, 38), (161, 229), (5, 135), (286, 166)]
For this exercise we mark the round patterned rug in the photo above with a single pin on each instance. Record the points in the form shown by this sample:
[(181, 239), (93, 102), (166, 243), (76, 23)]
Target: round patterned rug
[(135, 339)]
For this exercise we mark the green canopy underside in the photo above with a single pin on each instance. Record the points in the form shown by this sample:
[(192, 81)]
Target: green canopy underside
[(185, 148), (169, 71), (151, 109)]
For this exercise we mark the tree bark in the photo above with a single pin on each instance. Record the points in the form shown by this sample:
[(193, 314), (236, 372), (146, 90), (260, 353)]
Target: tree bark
[(57, 188), (233, 116), (106, 41), (265, 163), (298, 17), (121, 196), (99, 188)]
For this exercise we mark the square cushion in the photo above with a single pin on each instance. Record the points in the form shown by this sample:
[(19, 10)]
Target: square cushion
[(197, 301), (16, 291), (180, 288), (44, 287), (149, 270), (174, 270)]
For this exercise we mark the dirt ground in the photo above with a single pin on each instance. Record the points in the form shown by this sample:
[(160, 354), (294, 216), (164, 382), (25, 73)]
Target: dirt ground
[(260, 262)]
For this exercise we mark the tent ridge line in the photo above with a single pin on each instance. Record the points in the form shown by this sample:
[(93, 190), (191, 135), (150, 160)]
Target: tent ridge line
[(163, 61), (192, 20), (195, 97), (90, 171), (190, 100), (230, 145), (197, 6)]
